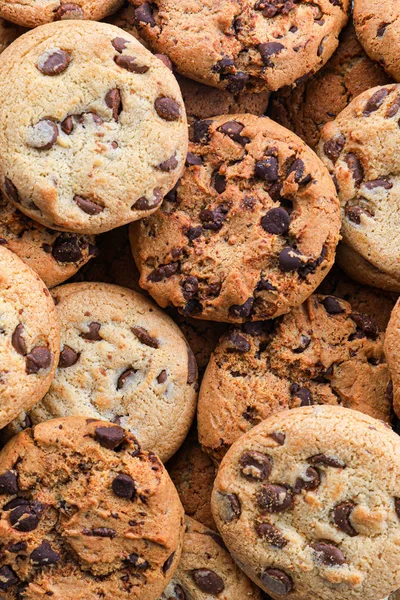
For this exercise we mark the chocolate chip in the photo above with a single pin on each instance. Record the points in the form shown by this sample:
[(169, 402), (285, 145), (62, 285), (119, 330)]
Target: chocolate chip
[(110, 437), (93, 334), (18, 547), (53, 63), (113, 101), (214, 219), (276, 221), (43, 135), (144, 337), (69, 11), (145, 204), (381, 29), (277, 581), (11, 190), (278, 437), (123, 486), (375, 102), (24, 518), (341, 516), (17, 340), (67, 125), (290, 259), (265, 285), (67, 249), (201, 131), (163, 272), (297, 167), (267, 169), (355, 167), (137, 561), (255, 466), (39, 358), (168, 563), (236, 82), (236, 342), (44, 555), (124, 376), (68, 357), (377, 183), (270, 49), (334, 146), (310, 482), (305, 396), (326, 461), (219, 182), (144, 15), (194, 232), (119, 44), (103, 532), (328, 554), (366, 325), (129, 64), (397, 506), (208, 581), (162, 377), (88, 206), (8, 483), (242, 310), (167, 108), (193, 159), (233, 129), (190, 287), (230, 507), (332, 305), (353, 213), (271, 534), (274, 498), (169, 165), (7, 578), (305, 341)]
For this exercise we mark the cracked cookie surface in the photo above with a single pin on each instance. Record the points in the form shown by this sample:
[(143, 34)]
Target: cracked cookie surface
[(31, 13), (206, 570), (94, 126), (54, 256), (250, 230), (323, 352), (360, 149), (306, 108), (121, 360), (243, 44), (29, 337), (85, 514), (308, 504)]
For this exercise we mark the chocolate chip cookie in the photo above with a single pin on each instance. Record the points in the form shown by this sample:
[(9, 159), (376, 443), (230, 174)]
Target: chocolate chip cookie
[(95, 127), (360, 149), (8, 33), (193, 473), (378, 30), (308, 505), (53, 255), (31, 13), (363, 271), (206, 570), (124, 361), (306, 108), (323, 352), (243, 44), (85, 514), (29, 337), (250, 230)]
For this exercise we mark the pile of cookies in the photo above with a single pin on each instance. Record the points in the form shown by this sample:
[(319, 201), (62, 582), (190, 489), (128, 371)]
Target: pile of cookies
[(199, 315)]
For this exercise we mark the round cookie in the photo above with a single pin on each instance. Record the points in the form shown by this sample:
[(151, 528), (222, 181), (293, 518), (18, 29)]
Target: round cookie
[(206, 570), (363, 298), (193, 473), (53, 255), (249, 232), (306, 108), (363, 271), (85, 514), (121, 360), (392, 355), (378, 31), (238, 44), (8, 33), (321, 353), (29, 337), (32, 13), (95, 127), (367, 177), (308, 505)]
